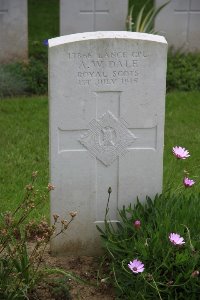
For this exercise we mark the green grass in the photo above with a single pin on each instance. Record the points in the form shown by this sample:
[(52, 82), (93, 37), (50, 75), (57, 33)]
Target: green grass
[(43, 23), (182, 129), (24, 148), (24, 142)]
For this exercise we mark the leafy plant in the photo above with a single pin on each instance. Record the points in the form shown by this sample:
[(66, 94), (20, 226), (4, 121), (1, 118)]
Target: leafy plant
[(36, 76), (23, 78), (171, 272), (12, 81), (144, 21), (183, 71), (154, 251), (59, 289), (20, 265)]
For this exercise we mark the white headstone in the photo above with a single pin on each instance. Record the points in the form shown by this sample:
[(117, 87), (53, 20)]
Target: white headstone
[(13, 30), (107, 100), (92, 15), (179, 22)]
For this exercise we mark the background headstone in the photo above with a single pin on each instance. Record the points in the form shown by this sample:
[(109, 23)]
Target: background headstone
[(13, 30), (92, 15), (107, 100), (179, 22)]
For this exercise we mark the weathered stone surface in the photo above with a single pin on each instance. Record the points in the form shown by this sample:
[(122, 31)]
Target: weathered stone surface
[(92, 15), (13, 30), (107, 100), (179, 22)]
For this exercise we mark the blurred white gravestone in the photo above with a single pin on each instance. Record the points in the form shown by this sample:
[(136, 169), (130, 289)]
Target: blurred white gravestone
[(13, 30), (179, 22), (107, 100), (92, 15)]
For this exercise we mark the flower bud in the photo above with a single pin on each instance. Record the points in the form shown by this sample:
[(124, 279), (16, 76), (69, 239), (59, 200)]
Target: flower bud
[(29, 187), (170, 283), (50, 187), (64, 222), (195, 273), (34, 174), (109, 190), (8, 219), (55, 216), (73, 213), (4, 232), (137, 224), (39, 240)]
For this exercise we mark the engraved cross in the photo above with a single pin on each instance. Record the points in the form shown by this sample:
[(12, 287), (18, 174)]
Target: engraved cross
[(188, 12), (94, 11), (108, 136)]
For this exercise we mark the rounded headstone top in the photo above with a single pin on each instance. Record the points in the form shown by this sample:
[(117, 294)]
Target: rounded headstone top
[(71, 38)]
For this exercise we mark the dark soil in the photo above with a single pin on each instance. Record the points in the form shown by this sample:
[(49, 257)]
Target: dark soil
[(57, 288)]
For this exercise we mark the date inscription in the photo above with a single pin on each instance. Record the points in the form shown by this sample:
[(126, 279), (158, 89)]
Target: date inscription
[(107, 68)]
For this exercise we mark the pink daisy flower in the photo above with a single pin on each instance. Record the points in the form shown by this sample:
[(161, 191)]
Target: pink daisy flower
[(176, 239), (188, 182), (180, 152), (136, 266)]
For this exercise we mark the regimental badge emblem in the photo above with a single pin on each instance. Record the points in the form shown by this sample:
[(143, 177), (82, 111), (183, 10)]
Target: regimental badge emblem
[(107, 138)]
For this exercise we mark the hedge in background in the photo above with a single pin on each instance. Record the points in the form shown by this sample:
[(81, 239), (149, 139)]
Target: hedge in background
[(23, 78), (31, 78), (183, 74), (183, 71)]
